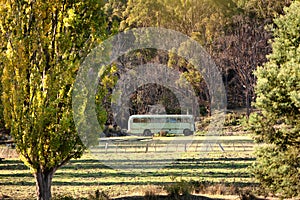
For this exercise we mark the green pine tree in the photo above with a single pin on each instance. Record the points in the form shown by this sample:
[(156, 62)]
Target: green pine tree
[(278, 98)]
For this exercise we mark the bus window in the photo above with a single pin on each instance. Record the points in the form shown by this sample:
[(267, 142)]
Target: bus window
[(141, 120), (158, 120), (171, 120), (144, 120), (136, 120), (186, 120)]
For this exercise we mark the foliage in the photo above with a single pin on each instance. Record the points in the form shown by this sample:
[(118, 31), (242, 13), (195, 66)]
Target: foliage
[(278, 98), (248, 196), (265, 9), (179, 188), (278, 170), (150, 195), (98, 195), (189, 17), (45, 43), (233, 119), (106, 84), (232, 31), (243, 46)]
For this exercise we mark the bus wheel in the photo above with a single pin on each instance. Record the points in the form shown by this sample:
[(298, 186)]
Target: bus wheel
[(147, 132), (187, 132)]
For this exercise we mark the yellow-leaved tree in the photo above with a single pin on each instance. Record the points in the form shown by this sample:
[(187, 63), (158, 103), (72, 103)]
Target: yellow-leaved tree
[(43, 44)]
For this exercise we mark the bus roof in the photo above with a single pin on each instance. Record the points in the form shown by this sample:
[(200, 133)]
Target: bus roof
[(160, 116)]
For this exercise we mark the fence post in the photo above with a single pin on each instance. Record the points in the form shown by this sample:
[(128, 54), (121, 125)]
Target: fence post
[(106, 145), (146, 147)]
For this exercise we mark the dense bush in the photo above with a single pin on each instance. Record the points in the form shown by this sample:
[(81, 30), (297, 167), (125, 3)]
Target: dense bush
[(178, 189), (278, 171), (278, 99)]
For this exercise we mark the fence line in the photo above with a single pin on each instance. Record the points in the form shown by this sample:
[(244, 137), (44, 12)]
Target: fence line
[(110, 146)]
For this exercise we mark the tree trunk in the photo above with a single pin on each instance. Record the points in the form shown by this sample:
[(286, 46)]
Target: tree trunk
[(248, 102), (43, 184)]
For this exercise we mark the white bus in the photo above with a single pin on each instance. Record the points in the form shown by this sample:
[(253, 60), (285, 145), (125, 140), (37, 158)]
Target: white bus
[(147, 125)]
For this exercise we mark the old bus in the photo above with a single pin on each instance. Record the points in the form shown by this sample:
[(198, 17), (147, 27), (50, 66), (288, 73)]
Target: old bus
[(147, 125)]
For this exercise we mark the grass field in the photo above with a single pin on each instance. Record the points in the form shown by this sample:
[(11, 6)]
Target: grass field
[(135, 168)]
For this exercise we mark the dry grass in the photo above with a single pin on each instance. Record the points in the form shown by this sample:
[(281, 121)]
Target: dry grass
[(215, 173)]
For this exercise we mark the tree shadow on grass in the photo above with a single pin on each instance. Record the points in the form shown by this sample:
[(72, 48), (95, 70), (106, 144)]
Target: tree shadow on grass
[(201, 163), (20, 183), (165, 197), (152, 174), (17, 175), (12, 165)]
